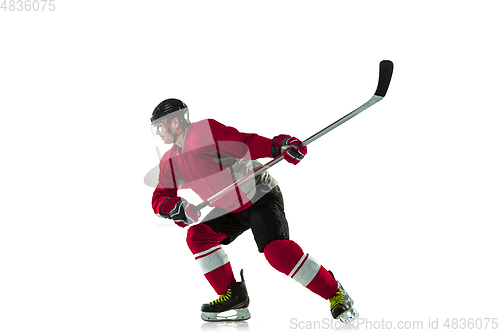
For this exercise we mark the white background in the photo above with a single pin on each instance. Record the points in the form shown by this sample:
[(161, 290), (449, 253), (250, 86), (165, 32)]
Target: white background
[(401, 202)]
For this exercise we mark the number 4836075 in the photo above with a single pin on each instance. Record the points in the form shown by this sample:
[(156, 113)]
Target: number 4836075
[(28, 5)]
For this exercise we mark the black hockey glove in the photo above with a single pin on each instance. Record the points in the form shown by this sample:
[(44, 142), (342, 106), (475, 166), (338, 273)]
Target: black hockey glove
[(179, 210)]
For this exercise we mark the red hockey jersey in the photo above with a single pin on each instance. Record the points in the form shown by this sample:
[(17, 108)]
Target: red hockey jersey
[(213, 157)]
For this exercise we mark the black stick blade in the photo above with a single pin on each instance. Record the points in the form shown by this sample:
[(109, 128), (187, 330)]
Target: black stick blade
[(384, 78)]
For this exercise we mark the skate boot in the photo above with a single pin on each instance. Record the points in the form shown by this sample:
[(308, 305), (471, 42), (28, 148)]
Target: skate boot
[(341, 306), (230, 306)]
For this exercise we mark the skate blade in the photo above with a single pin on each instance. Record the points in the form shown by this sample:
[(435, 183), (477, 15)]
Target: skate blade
[(230, 315), (349, 316)]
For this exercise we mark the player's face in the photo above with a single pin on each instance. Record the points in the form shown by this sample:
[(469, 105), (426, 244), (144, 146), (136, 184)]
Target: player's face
[(164, 134)]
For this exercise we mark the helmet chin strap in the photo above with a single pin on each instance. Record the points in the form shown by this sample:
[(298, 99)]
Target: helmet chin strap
[(175, 136)]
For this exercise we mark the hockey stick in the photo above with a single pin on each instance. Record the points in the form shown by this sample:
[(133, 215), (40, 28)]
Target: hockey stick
[(385, 74)]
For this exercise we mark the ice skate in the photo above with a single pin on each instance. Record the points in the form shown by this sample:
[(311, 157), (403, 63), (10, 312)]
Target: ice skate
[(230, 306), (341, 306)]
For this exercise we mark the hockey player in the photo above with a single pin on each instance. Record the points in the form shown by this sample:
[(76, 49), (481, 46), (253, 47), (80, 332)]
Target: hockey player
[(207, 157)]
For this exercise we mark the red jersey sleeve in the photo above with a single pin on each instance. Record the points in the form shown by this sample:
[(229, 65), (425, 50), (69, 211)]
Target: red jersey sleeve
[(257, 145), (167, 185)]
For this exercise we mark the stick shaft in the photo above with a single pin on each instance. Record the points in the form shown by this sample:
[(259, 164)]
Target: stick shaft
[(278, 159), (342, 120)]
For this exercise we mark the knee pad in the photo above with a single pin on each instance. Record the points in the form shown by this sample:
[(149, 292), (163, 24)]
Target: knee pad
[(283, 254), (201, 237)]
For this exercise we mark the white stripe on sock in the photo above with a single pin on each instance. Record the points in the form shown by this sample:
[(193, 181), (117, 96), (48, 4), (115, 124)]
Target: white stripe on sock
[(298, 264), (199, 254), (307, 272), (212, 261)]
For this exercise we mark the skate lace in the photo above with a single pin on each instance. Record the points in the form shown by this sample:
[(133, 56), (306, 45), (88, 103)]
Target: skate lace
[(223, 297), (336, 299)]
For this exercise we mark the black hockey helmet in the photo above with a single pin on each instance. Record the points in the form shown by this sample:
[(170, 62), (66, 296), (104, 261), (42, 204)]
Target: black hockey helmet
[(170, 108)]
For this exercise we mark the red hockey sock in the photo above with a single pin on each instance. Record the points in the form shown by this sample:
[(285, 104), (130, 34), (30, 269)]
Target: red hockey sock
[(204, 243), (287, 257)]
